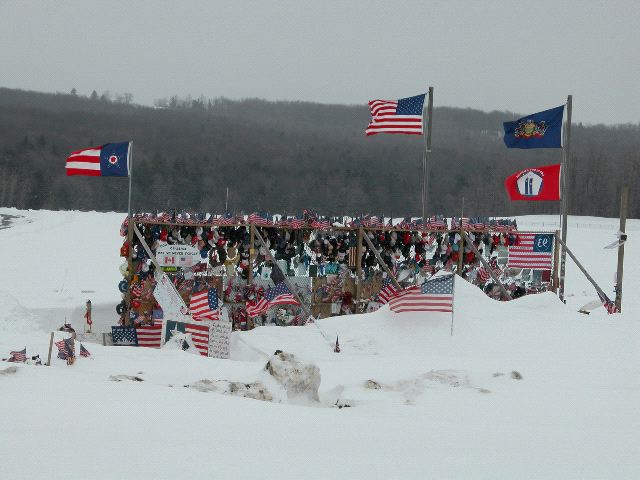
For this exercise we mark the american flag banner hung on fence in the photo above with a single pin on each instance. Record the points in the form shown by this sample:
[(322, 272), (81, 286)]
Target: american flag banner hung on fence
[(150, 335), (531, 250), (204, 305), (18, 356), (396, 116), (280, 295), (124, 336), (435, 295)]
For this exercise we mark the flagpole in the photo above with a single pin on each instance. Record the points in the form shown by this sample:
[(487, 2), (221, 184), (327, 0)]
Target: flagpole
[(566, 151), (425, 158), (130, 164)]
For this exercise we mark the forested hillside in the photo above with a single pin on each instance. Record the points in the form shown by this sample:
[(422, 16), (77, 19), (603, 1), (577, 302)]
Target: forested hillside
[(286, 156)]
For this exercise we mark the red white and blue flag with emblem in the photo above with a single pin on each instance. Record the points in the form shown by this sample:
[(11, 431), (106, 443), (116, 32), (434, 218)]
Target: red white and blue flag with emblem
[(396, 116), (539, 130), (109, 160)]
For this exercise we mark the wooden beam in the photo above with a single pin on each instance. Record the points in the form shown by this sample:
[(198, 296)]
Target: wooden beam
[(381, 262), (284, 274), (487, 267)]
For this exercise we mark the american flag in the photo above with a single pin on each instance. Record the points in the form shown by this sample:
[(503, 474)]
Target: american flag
[(401, 116), (321, 224), (437, 222), (531, 250), (483, 274), (434, 295), (204, 305), (149, 335), (66, 348), (226, 219), (84, 352), (336, 348), (124, 335), (297, 223), (387, 292), (260, 219), (280, 295), (608, 304), (18, 356), (200, 336), (257, 308)]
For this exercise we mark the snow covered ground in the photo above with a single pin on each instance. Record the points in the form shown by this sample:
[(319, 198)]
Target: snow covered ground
[(524, 389)]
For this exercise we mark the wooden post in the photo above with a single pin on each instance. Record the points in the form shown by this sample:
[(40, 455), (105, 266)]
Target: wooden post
[(127, 298), (556, 258), (461, 247), (381, 262), (582, 269), (566, 151), (624, 200), (284, 274), (359, 266), (252, 251), (50, 347), (487, 267)]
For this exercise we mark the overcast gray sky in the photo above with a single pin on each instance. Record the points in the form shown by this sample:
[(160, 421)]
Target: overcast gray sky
[(522, 55)]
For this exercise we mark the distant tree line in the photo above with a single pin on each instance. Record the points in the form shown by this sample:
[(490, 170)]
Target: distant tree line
[(287, 156)]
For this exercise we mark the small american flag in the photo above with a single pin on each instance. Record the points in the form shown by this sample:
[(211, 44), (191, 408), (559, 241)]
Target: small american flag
[(66, 349), (297, 223), (280, 295), (84, 352), (260, 219), (531, 250), (396, 116), (18, 356), (258, 307), (483, 274), (337, 346), (204, 305), (387, 292), (435, 295)]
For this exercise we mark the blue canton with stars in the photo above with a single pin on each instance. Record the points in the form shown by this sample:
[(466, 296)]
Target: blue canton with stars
[(212, 297), (279, 289), (439, 286), (124, 336), (410, 105)]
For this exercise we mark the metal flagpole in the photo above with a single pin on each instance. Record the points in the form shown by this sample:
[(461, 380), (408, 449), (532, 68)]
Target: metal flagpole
[(129, 167), (566, 152), (425, 159)]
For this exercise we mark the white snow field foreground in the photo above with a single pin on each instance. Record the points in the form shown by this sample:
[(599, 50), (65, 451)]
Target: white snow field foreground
[(422, 403)]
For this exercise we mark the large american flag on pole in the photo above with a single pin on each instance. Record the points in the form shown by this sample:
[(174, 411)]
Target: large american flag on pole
[(396, 116), (531, 250), (204, 305), (434, 295)]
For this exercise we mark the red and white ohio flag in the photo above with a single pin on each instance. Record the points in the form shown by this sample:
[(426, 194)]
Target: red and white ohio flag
[(537, 183)]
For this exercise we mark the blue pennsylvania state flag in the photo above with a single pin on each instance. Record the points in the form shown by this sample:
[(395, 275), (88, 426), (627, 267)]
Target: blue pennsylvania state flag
[(540, 130)]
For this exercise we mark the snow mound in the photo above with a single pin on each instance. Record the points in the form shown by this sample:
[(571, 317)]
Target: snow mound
[(299, 381), (14, 317)]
